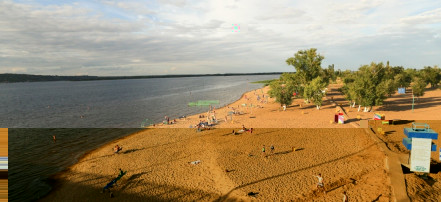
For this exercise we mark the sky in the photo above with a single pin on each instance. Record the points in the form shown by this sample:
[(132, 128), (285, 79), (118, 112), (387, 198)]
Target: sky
[(154, 37)]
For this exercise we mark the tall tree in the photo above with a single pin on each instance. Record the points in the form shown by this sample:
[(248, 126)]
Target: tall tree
[(307, 92), (317, 89), (350, 94), (431, 75), (307, 64), (282, 92), (390, 87), (402, 79), (418, 86), (330, 73), (370, 85), (294, 81)]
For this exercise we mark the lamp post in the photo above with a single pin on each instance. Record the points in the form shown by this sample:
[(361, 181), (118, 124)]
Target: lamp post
[(413, 100)]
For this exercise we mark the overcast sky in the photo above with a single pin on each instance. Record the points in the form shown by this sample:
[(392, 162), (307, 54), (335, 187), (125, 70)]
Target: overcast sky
[(212, 36)]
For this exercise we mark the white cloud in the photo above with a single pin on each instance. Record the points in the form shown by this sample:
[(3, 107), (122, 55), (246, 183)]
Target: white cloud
[(151, 37), (428, 17)]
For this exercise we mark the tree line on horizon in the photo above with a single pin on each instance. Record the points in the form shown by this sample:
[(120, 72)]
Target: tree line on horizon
[(12, 78), (369, 86)]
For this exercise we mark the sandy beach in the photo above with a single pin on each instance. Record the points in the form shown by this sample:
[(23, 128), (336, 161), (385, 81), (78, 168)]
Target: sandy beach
[(301, 115), (269, 114), (418, 188), (368, 165), (4, 175), (231, 166)]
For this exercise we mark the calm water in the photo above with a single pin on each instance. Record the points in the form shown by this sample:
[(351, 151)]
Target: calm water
[(34, 157), (114, 103), (118, 104)]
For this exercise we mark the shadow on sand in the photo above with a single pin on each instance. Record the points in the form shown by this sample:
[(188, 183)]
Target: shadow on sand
[(226, 196), (130, 189)]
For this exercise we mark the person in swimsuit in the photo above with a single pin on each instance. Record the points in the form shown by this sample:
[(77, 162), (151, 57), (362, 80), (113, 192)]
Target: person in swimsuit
[(320, 184)]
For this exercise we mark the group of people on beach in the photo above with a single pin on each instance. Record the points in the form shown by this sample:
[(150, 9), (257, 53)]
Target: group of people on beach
[(242, 130), (264, 150), (168, 122)]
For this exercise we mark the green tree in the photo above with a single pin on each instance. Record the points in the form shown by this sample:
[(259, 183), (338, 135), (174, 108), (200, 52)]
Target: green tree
[(307, 92), (431, 75), (418, 86), (350, 93), (294, 81), (307, 64), (390, 86), (370, 86), (412, 72), (318, 86), (397, 70), (282, 92), (329, 74), (403, 79)]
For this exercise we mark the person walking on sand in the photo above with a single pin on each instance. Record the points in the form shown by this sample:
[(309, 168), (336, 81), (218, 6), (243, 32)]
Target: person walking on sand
[(320, 184), (345, 197), (263, 151), (272, 149)]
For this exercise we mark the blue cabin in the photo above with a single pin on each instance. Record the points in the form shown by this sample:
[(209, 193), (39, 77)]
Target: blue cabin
[(407, 142), (420, 130)]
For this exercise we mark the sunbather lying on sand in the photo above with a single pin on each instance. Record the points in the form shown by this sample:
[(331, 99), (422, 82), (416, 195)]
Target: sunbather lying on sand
[(195, 162)]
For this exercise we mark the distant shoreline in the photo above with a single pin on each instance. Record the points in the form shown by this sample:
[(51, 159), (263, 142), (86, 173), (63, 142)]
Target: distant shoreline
[(15, 78)]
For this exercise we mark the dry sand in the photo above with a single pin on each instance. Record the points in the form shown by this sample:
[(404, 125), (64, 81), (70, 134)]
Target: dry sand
[(231, 166), (418, 189), (3, 175), (399, 106), (3, 142), (297, 115), (301, 115), (356, 160)]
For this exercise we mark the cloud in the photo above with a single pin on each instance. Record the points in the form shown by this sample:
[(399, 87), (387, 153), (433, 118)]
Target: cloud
[(428, 17), (16, 70), (151, 37)]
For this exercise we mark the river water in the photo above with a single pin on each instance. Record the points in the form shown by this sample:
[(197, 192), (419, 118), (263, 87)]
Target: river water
[(87, 114)]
